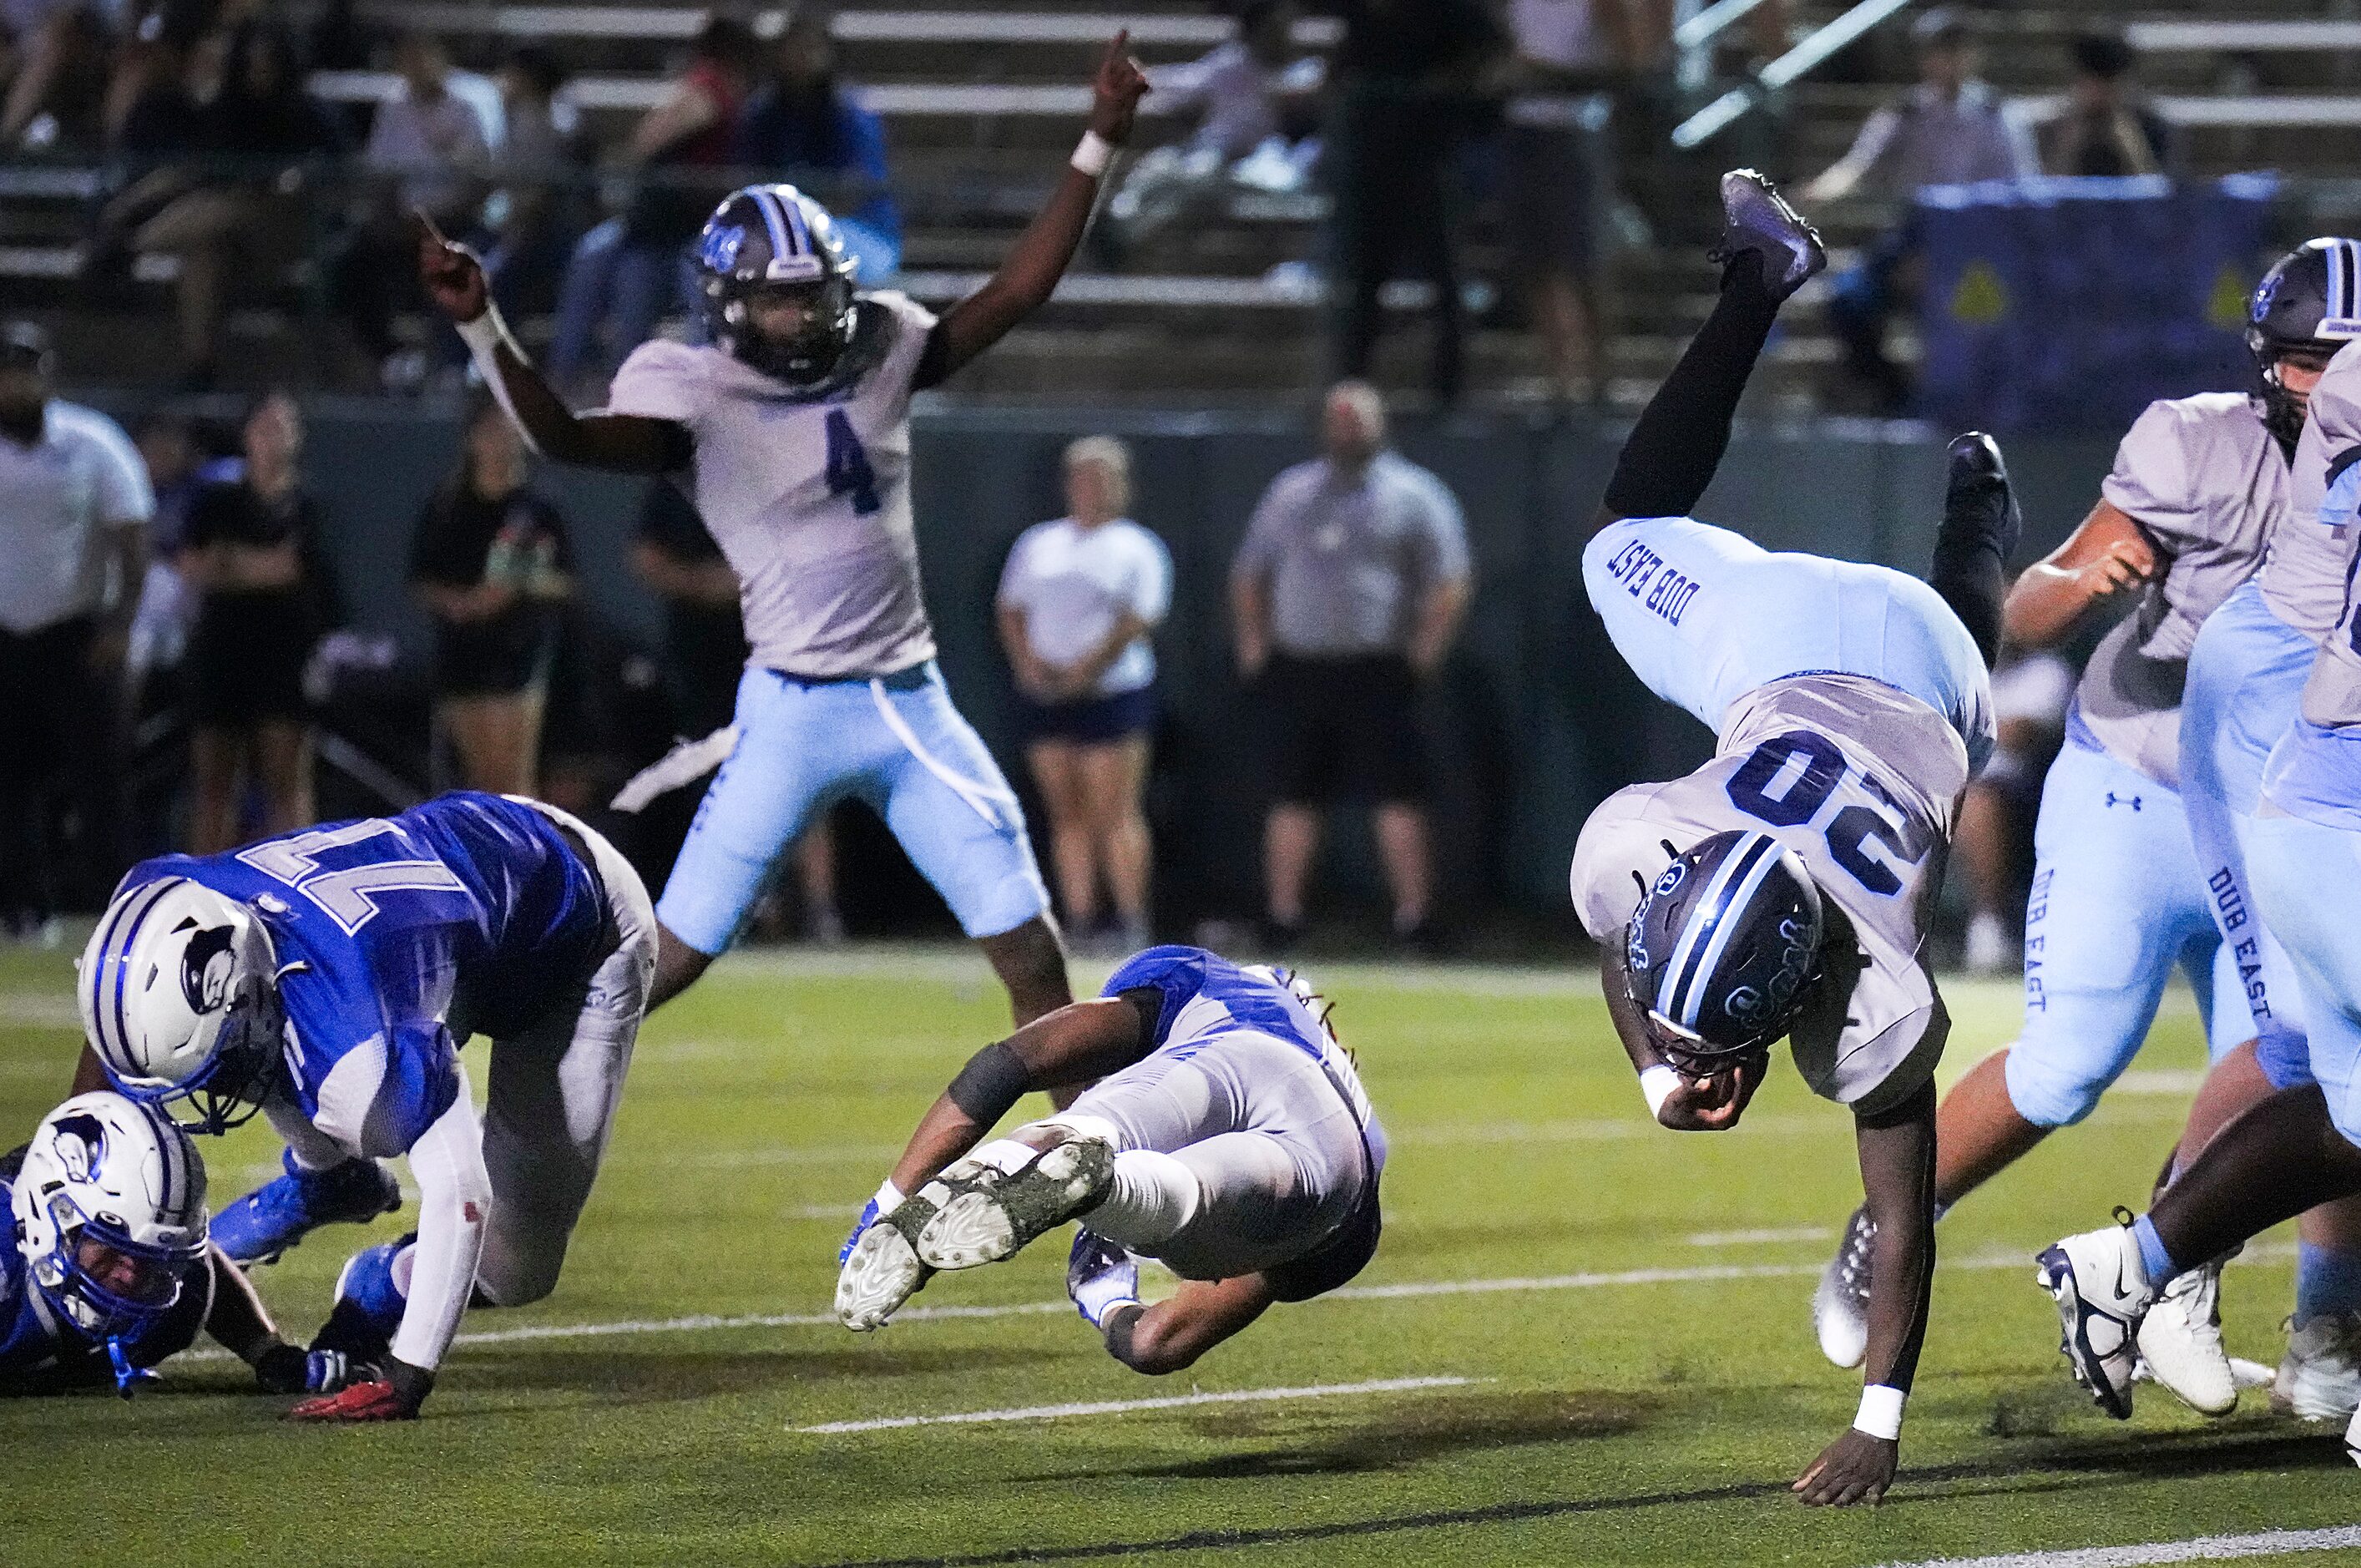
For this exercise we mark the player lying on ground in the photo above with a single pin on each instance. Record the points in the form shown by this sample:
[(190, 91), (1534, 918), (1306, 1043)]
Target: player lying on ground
[(1224, 1132), (1784, 889), (2133, 873), (328, 978), (794, 425), (107, 1272), (2301, 1144)]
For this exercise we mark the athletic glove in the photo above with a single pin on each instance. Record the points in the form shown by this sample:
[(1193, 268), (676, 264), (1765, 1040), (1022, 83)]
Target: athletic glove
[(888, 1199), (1101, 1277), (291, 1369)]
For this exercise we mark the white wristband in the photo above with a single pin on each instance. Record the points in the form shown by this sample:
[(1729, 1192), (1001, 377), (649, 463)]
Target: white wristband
[(1092, 154), (1657, 1084), (1881, 1412), (889, 1197)]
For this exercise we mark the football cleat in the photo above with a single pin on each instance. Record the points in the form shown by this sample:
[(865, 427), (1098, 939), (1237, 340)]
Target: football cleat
[(1977, 494), (369, 1309), (984, 1214), (881, 1268), (2319, 1377), (374, 1401), (263, 1224), (2180, 1340), (1840, 1305), (1756, 217), (2102, 1292)]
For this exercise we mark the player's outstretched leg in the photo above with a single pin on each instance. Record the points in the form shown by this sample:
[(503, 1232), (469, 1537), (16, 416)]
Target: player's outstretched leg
[(1982, 525), (986, 1212), (1767, 251), (280, 1214)]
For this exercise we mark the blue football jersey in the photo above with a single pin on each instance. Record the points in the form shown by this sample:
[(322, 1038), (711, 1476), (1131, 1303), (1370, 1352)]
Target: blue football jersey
[(397, 936)]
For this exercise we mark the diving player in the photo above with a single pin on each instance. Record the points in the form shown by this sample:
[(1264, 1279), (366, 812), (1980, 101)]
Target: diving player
[(106, 1271), (328, 978), (1223, 1132), (795, 427), (1783, 890), (2299, 1145), (2119, 895)]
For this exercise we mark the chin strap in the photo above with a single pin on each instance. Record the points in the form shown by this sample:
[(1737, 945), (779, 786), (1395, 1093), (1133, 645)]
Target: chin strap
[(126, 1377)]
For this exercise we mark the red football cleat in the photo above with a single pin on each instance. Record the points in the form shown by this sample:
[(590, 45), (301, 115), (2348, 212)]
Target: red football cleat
[(361, 1402)]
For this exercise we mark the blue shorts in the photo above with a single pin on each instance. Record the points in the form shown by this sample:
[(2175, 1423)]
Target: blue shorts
[(1704, 616), (2245, 681), (896, 743), (2116, 902), (2305, 874), (1092, 721)]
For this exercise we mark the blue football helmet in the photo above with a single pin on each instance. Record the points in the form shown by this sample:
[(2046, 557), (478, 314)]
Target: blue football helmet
[(2309, 302), (1722, 949), (773, 237)]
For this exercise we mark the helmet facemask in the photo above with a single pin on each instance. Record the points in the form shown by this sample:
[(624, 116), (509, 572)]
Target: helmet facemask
[(809, 356)]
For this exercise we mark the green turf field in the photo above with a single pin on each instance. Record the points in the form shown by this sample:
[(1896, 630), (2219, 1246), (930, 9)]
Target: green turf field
[(1613, 1321)]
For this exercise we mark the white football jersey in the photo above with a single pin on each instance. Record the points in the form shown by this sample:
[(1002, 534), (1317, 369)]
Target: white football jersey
[(807, 496), (2303, 581), (1863, 783)]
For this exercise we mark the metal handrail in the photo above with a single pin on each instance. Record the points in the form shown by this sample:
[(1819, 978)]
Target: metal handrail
[(1743, 99)]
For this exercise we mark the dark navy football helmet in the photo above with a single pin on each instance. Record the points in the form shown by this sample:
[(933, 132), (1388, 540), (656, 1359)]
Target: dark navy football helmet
[(2309, 302), (768, 237), (1722, 949)]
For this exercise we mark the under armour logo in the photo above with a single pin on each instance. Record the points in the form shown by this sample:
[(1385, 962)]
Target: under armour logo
[(2131, 800)]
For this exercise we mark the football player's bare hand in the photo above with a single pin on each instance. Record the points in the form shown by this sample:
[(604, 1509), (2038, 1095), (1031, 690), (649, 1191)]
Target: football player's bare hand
[(1713, 1103), (2126, 567), (1856, 1468), (1116, 91), (451, 274)]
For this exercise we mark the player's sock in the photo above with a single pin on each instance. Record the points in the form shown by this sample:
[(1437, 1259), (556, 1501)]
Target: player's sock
[(2153, 1256), (1981, 526), (1151, 1196), (1672, 453), (2327, 1282)]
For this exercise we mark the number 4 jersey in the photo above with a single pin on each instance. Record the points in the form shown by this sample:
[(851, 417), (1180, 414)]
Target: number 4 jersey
[(807, 494), (1862, 782), (397, 936)]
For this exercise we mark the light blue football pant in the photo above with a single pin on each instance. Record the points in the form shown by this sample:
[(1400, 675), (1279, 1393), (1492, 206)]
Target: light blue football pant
[(802, 748), (2245, 682), (1704, 616), (2306, 878), (2116, 902)]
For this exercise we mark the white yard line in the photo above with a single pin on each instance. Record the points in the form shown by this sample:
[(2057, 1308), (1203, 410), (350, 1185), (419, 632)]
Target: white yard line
[(2203, 1548), (1123, 1407), (1753, 1238)]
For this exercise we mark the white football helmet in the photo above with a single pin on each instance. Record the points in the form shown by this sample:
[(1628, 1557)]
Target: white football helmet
[(178, 997), (110, 1215)]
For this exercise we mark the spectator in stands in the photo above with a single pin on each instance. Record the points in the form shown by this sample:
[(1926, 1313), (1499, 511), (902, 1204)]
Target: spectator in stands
[(1254, 97), (624, 271), (427, 152), (1407, 75), (74, 505), (806, 127), (705, 654), (1948, 130), (491, 563), (532, 223), (1346, 594), (2107, 127), (56, 95), (263, 599), (1078, 600), (1566, 52), (1995, 842), (233, 207)]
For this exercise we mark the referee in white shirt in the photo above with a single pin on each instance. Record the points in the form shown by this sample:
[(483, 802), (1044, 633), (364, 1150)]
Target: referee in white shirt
[(74, 505)]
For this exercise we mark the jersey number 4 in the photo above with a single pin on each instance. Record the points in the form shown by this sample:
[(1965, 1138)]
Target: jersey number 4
[(347, 896), (848, 471), (1807, 768)]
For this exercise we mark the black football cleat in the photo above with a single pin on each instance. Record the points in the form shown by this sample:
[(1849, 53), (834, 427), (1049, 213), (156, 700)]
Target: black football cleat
[(1756, 217), (1978, 496)]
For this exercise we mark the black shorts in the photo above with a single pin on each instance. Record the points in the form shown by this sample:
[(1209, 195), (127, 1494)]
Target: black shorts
[(1093, 721), (1347, 729), (246, 656)]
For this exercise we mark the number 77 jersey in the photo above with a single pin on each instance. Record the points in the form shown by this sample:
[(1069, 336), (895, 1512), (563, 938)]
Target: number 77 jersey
[(1862, 782)]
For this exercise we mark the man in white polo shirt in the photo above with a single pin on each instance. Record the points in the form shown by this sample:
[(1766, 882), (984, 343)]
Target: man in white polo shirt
[(75, 504)]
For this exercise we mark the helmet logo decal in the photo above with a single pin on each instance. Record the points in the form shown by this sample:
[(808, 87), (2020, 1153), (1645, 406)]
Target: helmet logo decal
[(207, 965), (81, 1145), (1757, 1006), (721, 246)]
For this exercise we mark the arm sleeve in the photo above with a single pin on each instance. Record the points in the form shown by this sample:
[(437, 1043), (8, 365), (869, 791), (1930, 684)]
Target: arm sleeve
[(2154, 478), (454, 1198)]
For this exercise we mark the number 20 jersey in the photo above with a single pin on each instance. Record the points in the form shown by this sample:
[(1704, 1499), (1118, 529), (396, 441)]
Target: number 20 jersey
[(807, 494), (1862, 782), (396, 937)]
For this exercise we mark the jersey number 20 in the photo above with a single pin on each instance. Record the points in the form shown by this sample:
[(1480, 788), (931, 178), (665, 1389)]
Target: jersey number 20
[(848, 471), (347, 896), (1850, 831)]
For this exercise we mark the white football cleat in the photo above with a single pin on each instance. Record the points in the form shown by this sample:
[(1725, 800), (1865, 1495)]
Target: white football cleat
[(2352, 1439), (880, 1272), (2102, 1292), (983, 1214), (1840, 1305), (2320, 1377), (2180, 1340)]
